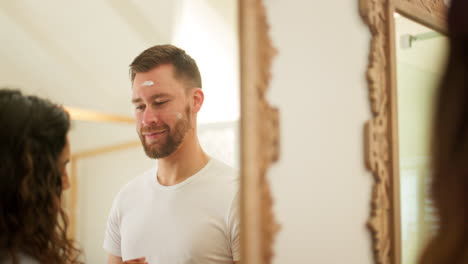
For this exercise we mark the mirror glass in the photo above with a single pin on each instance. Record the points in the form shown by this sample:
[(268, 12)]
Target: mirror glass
[(77, 53), (420, 62)]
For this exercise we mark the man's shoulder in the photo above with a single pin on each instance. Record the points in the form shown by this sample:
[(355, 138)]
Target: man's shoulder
[(221, 177), (223, 167), (223, 170), (138, 183)]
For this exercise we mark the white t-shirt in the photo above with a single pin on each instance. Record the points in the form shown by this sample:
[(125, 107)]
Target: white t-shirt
[(195, 221)]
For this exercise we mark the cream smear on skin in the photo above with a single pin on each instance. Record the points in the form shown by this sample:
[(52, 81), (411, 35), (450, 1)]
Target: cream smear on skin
[(147, 83)]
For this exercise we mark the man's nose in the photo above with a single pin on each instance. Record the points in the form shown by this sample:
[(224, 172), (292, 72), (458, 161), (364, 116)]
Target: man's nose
[(149, 117)]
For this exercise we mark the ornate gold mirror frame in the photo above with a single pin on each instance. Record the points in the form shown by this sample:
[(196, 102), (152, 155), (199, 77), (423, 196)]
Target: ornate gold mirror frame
[(259, 135), (381, 132)]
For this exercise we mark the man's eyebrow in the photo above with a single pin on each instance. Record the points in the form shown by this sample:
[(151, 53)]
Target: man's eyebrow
[(136, 100), (153, 97)]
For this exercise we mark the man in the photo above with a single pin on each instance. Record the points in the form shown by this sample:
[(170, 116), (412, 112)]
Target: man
[(186, 209)]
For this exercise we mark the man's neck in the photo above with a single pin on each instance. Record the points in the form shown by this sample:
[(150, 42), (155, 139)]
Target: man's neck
[(186, 161)]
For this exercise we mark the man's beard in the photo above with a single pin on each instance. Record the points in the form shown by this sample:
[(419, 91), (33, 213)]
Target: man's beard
[(172, 141)]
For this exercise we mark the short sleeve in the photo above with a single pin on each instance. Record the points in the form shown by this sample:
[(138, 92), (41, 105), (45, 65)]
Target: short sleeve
[(112, 236), (233, 225)]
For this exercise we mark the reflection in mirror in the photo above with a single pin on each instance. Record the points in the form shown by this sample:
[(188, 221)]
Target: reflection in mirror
[(77, 54), (421, 54)]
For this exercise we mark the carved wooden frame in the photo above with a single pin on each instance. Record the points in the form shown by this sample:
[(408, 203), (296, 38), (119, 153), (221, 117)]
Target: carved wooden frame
[(259, 134), (381, 132)]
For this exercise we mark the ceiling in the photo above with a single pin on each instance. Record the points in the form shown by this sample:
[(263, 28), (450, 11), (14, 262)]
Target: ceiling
[(77, 53), (428, 55)]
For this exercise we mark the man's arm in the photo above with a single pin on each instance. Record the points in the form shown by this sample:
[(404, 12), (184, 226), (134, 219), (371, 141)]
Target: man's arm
[(112, 241), (111, 259)]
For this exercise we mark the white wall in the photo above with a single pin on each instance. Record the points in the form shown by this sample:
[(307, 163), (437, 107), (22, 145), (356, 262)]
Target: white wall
[(208, 31), (321, 188)]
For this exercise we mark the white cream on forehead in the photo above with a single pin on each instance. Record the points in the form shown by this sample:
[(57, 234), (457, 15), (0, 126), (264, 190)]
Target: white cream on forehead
[(147, 83)]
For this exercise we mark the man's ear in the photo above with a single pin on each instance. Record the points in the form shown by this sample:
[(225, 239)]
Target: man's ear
[(198, 97)]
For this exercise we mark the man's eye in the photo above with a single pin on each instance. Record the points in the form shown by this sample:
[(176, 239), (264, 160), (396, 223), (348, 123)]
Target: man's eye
[(159, 103), (140, 107)]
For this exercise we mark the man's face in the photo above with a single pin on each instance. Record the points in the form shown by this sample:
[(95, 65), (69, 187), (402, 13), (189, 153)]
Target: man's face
[(162, 111)]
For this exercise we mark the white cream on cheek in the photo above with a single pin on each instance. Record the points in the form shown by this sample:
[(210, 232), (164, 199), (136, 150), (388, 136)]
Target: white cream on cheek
[(163, 117)]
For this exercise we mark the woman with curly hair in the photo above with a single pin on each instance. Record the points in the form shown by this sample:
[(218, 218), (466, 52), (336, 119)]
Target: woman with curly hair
[(34, 152)]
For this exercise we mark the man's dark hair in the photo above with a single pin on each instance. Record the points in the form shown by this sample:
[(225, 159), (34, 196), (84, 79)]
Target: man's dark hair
[(185, 67)]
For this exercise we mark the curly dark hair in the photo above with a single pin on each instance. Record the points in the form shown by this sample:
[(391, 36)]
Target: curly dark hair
[(450, 149), (33, 134)]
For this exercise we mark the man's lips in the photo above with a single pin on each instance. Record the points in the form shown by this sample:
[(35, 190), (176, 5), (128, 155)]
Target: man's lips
[(153, 134)]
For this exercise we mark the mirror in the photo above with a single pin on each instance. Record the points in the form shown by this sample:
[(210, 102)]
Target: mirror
[(420, 62), (406, 55), (77, 54)]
